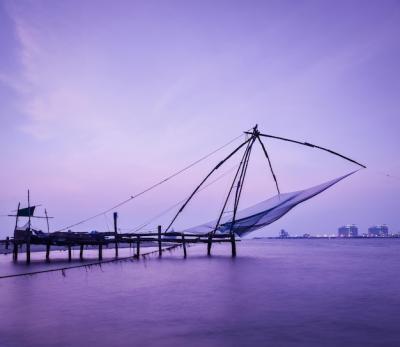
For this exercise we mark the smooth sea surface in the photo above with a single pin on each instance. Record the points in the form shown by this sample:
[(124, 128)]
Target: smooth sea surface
[(316, 292)]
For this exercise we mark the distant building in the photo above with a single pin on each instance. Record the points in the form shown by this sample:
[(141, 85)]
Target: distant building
[(283, 234), (378, 230), (350, 230)]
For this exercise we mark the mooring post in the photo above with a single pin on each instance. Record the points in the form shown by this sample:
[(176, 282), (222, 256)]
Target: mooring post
[(69, 252), (81, 251), (233, 242), (100, 251), (48, 251), (7, 242), (209, 244), (138, 246), (116, 234), (159, 241), (184, 245)]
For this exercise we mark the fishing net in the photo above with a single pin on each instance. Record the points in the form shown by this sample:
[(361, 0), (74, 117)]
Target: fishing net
[(263, 213)]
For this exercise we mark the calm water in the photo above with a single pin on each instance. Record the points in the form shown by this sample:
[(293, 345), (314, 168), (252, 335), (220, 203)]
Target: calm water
[(275, 293)]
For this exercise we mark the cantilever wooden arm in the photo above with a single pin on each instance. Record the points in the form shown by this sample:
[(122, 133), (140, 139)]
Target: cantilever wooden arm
[(310, 145)]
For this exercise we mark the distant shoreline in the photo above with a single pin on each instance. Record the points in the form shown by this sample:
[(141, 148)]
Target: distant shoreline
[(326, 237)]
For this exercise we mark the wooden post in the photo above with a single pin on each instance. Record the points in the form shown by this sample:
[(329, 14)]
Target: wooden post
[(209, 244), (100, 251), (233, 242), (138, 246), (7, 241), (28, 250), (81, 252), (48, 251), (28, 240), (184, 245), (116, 234), (159, 241), (69, 253), (15, 250)]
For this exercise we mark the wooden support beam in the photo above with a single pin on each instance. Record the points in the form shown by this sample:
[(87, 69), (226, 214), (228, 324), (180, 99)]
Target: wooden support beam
[(81, 252), (47, 251), (100, 251), (159, 241), (184, 245), (116, 234), (138, 246)]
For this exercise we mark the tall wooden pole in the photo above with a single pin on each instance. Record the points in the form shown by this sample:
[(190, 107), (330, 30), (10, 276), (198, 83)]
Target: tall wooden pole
[(116, 234), (47, 221), (159, 241), (15, 246)]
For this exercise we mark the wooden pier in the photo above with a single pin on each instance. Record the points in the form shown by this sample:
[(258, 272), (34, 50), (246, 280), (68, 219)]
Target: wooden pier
[(102, 240)]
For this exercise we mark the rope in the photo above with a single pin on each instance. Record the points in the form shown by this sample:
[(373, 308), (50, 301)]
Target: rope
[(180, 202), (151, 187), (97, 263)]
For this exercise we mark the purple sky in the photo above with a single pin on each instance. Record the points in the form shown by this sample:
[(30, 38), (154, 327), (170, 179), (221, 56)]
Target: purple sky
[(100, 99)]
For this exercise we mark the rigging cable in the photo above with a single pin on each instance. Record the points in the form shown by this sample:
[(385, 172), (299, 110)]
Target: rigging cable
[(270, 164), (180, 202), (151, 187)]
